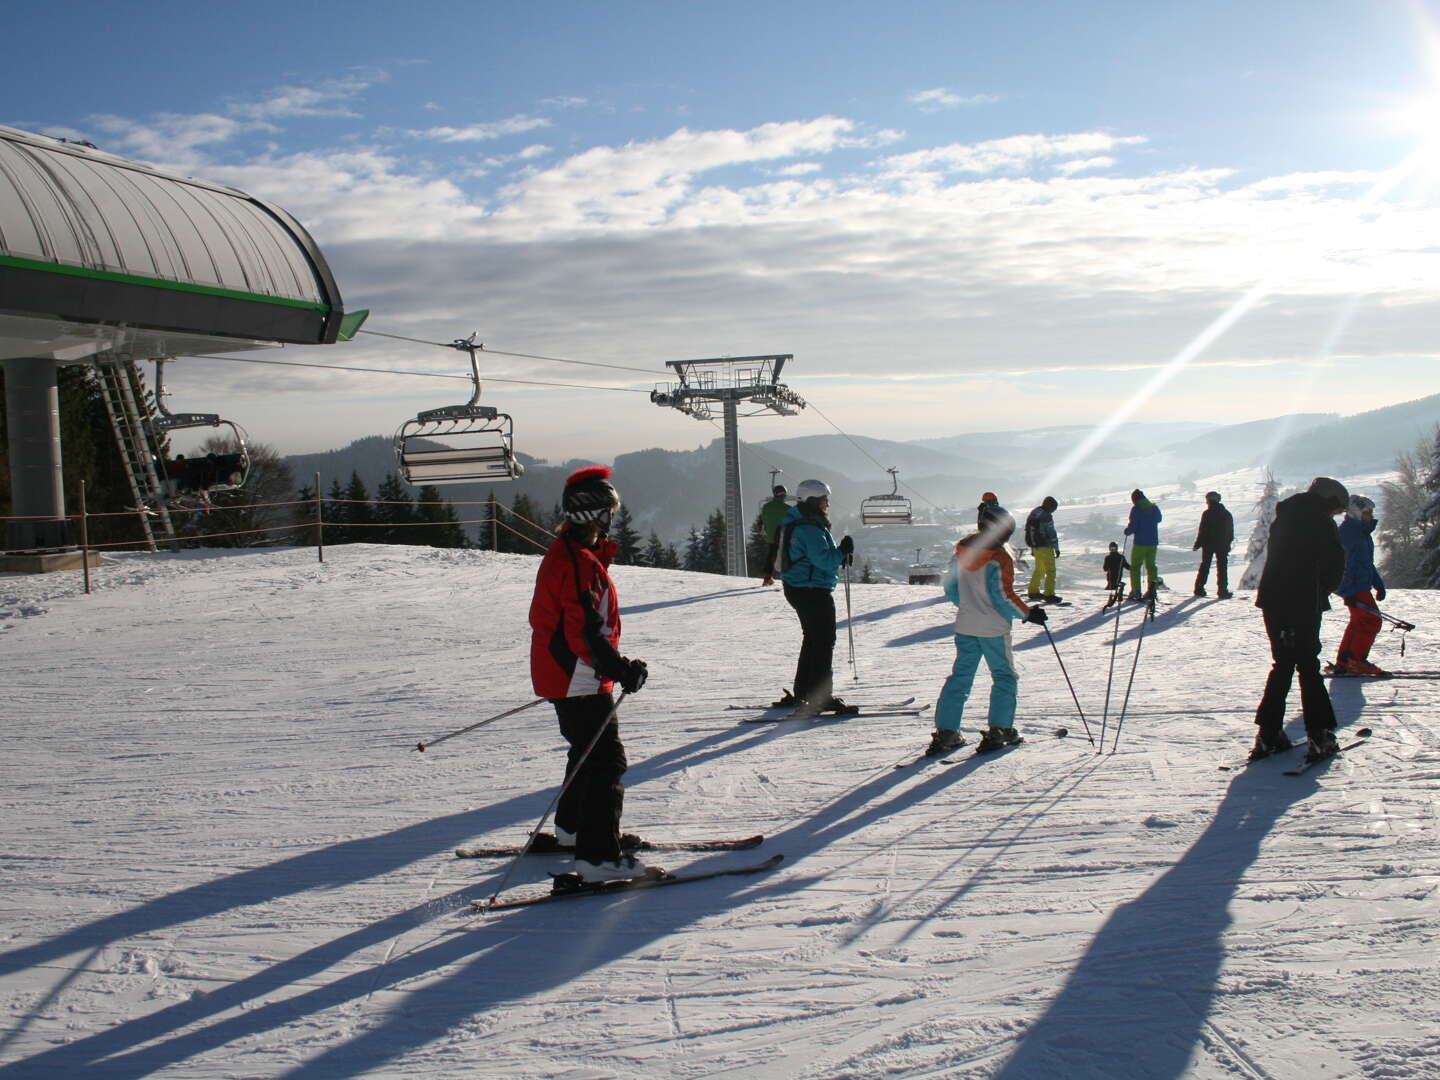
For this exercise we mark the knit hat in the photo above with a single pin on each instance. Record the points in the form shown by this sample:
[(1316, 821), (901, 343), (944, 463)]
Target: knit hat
[(1358, 505), (1212, 496), (1136, 496), (589, 496)]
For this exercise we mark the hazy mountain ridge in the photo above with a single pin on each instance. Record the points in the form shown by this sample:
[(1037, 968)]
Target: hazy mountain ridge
[(668, 491)]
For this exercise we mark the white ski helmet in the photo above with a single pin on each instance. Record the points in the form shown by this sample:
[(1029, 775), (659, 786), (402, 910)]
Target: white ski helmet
[(812, 489)]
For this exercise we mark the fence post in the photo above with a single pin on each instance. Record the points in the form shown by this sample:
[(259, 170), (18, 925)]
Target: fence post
[(84, 539), (319, 521)]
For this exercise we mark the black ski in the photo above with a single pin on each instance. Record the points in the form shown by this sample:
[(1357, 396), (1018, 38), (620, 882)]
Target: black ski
[(545, 844), (774, 705), (817, 718), (1364, 734), (567, 889), (1387, 675), (1361, 736)]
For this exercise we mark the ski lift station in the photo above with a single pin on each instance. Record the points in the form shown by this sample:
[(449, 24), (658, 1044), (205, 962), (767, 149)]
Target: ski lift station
[(111, 263)]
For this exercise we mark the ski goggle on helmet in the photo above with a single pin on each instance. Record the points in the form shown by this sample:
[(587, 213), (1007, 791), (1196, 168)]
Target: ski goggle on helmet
[(1358, 505), (590, 498)]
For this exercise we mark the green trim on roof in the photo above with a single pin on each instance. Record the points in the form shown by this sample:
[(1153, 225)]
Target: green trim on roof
[(351, 322), (155, 283)]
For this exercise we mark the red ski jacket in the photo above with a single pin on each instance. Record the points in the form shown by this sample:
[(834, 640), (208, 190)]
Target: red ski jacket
[(574, 621)]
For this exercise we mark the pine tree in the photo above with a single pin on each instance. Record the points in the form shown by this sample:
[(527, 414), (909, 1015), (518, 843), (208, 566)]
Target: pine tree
[(712, 544), (396, 512), (1260, 537), (336, 514), (361, 512), (527, 519), (694, 552), (867, 576), (1403, 521), (628, 540), (757, 548), (439, 525)]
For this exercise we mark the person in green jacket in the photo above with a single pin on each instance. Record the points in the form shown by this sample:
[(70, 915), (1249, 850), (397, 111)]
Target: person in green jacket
[(772, 516)]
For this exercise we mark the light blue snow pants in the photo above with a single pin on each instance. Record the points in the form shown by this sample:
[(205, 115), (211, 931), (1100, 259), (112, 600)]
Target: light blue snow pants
[(1003, 681)]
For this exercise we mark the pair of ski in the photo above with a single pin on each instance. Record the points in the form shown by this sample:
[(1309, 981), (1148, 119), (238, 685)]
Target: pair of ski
[(1382, 678), (570, 886), (898, 708), (1360, 736)]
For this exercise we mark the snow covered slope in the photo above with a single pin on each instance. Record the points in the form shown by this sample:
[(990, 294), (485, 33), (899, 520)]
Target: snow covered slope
[(223, 858)]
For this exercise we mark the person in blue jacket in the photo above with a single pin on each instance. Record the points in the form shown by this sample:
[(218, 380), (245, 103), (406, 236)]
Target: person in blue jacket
[(1362, 588), (810, 561), (1144, 526)]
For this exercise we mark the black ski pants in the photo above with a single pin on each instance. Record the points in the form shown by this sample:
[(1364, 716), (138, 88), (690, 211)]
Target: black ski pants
[(1222, 569), (814, 678), (592, 804), (1295, 647)]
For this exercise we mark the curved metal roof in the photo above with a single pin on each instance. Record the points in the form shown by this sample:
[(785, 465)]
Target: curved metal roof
[(89, 237)]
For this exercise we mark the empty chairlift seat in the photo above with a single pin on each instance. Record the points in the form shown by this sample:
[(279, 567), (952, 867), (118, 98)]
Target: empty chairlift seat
[(473, 449), (891, 509)]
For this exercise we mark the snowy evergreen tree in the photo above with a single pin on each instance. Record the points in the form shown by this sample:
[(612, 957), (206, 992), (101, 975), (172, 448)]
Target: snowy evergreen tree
[(437, 524), (694, 551), (1430, 513), (1260, 537), (395, 511), (712, 543), (1404, 522)]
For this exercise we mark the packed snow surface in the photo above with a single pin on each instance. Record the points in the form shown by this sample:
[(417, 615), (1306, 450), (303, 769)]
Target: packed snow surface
[(223, 856)]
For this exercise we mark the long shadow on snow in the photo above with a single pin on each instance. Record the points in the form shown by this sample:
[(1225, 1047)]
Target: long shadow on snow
[(331, 868), (1166, 618), (1138, 1002), (637, 609), (499, 966)]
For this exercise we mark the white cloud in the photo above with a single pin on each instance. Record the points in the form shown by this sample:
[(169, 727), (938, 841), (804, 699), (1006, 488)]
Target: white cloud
[(940, 98), (800, 168), (326, 98), (564, 102), (1014, 153), (481, 132)]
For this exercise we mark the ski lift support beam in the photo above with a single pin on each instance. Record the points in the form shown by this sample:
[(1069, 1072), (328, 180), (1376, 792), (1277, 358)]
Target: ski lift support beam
[(729, 380)]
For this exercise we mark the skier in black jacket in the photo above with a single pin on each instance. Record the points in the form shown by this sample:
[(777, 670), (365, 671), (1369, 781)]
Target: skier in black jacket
[(1304, 563), (1213, 540)]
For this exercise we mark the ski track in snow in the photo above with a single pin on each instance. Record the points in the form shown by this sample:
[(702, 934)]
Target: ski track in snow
[(223, 857)]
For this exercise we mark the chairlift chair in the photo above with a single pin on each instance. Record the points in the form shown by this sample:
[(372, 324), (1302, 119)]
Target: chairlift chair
[(891, 509), (475, 442), (189, 482)]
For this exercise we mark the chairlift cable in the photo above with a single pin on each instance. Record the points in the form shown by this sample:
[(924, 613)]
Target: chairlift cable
[(811, 402), (416, 374), (523, 356)]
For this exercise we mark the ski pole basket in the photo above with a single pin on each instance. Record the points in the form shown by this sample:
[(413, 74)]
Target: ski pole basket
[(891, 509), (458, 444)]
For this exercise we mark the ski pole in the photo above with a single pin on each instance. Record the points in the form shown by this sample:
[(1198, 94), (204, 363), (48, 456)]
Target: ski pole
[(1135, 663), (1398, 624), (423, 746), (1068, 683), (570, 779), (850, 623), (1114, 644)]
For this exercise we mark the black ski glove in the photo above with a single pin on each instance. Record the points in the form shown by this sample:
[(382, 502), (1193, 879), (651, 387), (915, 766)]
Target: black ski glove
[(634, 675), (1037, 616), (1380, 594)]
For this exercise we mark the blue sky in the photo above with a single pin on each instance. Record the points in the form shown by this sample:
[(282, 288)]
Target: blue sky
[(958, 217)]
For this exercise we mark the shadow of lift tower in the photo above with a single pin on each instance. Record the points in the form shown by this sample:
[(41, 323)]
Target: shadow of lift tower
[(730, 380)]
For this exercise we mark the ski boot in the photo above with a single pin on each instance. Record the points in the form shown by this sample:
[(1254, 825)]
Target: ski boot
[(1322, 745), (838, 707), (1357, 666), (1200, 591), (1051, 598), (623, 868), (1267, 743), (942, 742), (1135, 596), (1033, 596), (787, 701), (996, 737)]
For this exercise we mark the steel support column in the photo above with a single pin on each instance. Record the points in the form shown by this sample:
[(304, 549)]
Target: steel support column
[(734, 505), (37, 491)]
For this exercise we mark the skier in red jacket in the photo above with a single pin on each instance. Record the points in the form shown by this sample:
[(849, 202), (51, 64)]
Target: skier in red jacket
[(575, 661)]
